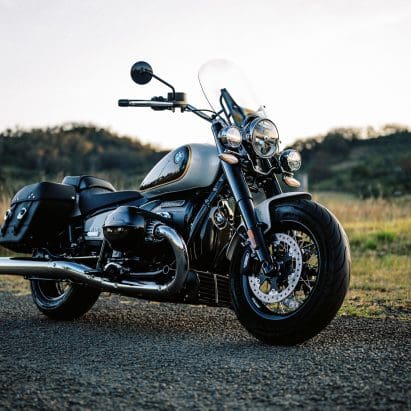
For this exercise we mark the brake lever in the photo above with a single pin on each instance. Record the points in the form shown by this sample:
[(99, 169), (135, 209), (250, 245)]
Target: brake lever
[(161, 100), (157, 103)]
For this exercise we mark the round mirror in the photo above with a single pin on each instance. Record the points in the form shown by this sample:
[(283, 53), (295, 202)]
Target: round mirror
[(141, 72)]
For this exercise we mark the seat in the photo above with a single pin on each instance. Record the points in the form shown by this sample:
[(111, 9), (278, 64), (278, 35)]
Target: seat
[(91, 201), (96, 193), (86, 182)]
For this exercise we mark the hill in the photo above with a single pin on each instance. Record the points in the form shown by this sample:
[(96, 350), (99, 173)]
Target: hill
[(49, 154), (363, 162), (367, 163)]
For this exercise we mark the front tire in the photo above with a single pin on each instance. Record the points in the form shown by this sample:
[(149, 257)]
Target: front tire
[(62, 301), (313, 286)]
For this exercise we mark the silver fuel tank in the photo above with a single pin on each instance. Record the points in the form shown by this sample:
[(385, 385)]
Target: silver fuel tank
[(185, 168)]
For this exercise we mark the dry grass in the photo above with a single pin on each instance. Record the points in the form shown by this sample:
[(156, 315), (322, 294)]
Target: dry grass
[(380, 237), (4, 205), (14, 284)]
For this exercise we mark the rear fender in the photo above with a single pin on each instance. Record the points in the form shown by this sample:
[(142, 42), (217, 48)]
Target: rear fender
[(263, 216)]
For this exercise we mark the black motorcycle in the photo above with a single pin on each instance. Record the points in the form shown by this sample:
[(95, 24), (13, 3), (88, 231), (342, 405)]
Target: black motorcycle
[(209, 225)]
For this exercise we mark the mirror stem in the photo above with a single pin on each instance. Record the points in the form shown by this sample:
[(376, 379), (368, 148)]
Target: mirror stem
[(167, 84)]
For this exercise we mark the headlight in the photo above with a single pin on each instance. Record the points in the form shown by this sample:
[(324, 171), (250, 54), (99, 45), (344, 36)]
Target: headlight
[(263, 136), (290, 160), (231, 136)]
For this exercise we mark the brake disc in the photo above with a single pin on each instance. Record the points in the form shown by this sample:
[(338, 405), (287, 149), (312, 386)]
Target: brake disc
[(280, 293)]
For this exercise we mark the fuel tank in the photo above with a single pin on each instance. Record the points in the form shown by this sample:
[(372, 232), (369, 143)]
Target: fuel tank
[(185, 168)]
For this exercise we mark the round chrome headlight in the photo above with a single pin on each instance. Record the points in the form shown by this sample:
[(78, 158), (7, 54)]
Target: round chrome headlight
[(290, 160), (230, 136), (263, 136)]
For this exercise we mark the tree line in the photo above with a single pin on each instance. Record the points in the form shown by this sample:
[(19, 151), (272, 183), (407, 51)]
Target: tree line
[(365, 162), (72, 149)]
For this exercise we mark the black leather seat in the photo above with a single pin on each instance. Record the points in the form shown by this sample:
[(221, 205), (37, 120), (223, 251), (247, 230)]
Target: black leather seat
[(86, 182), (91, 201), (96, 193)]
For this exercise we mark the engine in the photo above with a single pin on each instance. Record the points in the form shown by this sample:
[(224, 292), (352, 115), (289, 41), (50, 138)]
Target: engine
[(140, 253), (125, 229)]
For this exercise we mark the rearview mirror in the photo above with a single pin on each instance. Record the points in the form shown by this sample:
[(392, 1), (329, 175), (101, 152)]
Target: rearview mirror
[(141, 72)]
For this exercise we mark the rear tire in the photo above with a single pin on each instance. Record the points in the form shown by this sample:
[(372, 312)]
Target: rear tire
[(62, 301), (325, 295)]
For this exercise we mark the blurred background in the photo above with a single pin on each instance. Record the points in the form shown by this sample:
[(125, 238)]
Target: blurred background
[(334, 75)]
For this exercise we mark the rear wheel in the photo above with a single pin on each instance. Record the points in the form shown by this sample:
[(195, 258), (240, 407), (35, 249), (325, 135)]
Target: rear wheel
[(61, 300), (312, 254)]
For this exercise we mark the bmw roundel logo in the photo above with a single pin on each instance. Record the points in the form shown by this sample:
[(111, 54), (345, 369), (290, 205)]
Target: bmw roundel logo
[(178, 157)]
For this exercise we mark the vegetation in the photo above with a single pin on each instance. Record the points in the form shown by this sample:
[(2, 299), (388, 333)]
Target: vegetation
[(366, 163), (29, 156), (379, 231)]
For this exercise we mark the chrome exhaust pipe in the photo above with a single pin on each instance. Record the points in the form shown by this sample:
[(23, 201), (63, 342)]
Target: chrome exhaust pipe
[(81, 274)]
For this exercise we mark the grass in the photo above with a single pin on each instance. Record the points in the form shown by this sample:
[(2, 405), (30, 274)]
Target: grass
[(380, 237), (379, 231)]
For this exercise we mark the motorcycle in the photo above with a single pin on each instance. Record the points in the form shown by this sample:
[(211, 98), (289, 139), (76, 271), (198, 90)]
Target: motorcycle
[(210, 225)]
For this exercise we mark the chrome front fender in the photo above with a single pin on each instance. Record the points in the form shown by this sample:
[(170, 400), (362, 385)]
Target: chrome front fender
[(262, 211)]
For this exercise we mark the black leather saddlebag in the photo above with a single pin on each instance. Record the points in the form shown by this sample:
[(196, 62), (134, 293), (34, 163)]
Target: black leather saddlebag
[(38, 213)]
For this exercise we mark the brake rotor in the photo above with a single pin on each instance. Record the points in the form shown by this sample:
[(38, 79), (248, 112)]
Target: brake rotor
[(270, 295)]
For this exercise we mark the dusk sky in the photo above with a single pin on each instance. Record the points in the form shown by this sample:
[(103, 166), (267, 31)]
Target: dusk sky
[(316, 65)]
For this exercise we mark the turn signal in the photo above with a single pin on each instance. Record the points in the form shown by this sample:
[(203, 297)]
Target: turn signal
[(229, 158), (291, 181)]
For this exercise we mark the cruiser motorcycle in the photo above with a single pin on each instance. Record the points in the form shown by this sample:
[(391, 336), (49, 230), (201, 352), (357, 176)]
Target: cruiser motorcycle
[(210, 224)]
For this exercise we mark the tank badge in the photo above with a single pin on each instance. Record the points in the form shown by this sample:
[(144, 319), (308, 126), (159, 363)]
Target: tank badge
[(179, 157)]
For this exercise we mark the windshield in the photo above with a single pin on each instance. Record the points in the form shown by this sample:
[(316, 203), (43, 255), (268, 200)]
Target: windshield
[(216, 75)]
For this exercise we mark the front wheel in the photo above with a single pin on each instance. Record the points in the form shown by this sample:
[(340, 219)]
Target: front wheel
[(312, 255)]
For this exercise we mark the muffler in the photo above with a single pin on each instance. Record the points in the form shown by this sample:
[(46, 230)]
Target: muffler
[(81, 274)]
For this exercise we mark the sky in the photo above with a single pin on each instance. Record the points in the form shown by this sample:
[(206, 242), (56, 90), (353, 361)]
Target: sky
[(315, 64)]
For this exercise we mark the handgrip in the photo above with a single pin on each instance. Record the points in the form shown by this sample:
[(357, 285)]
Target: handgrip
[(123, 103), (154, 103)]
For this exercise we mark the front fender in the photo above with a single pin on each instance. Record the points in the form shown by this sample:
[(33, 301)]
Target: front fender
[(263, 209), (263, 215)]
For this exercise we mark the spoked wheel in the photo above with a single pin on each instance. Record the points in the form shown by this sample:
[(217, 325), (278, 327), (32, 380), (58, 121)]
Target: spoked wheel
[(62, 300), (50, 293), (297, 257), (311, 253)]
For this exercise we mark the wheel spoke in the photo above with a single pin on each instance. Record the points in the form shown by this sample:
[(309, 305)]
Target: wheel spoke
[(297, 255)]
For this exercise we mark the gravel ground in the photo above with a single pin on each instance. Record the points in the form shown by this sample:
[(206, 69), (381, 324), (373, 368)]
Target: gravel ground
[(129, 354)]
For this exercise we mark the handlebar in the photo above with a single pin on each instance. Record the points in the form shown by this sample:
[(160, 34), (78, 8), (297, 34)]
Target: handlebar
[(146, 103), (161, 103)]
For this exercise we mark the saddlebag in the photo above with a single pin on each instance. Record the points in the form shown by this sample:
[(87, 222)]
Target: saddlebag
[(37, 214)]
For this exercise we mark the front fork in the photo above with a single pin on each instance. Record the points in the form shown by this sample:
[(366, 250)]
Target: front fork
[(243, 198)]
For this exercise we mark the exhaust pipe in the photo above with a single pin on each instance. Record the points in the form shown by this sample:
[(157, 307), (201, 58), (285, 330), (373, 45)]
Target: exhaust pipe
[(81, 274)]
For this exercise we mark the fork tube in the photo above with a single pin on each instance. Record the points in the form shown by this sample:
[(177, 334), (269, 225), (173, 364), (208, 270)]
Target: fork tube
[(243, 198)]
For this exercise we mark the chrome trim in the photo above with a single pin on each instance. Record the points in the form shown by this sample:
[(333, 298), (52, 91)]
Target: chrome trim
[(79, 273), (250, 138), (21, 213), (284, 160), (49, 269), (224, 136)]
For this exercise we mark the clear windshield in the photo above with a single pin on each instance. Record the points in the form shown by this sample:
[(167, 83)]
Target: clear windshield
[(216, 75)]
